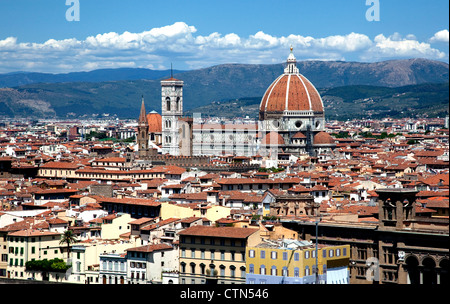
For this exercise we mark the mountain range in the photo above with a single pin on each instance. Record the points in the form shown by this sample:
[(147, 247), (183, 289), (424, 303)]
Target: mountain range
[(119, 91)]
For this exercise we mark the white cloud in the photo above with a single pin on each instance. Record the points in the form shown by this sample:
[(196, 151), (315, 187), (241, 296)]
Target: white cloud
[(395, 46), (178, 42), (441, 36)]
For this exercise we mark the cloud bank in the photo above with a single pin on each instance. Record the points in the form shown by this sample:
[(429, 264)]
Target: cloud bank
[(179, 43)]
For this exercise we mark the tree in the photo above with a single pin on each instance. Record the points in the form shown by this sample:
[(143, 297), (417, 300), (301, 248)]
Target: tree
[(68, 238)]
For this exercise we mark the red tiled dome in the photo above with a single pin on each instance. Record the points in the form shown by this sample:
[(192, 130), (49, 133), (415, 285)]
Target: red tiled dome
[(291, 91), (272, 138), (323, 138), (154, 122), (299, 135)]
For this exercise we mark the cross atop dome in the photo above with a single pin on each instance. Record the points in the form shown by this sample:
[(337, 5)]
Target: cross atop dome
[(291, 67)]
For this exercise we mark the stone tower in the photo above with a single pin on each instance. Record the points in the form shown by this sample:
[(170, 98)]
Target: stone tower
[(171, 111), (142, 132)]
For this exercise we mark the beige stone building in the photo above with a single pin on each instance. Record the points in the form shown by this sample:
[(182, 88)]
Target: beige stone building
[(30, 244)]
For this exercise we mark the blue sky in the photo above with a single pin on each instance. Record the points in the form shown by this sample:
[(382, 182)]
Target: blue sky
[(36, 36)]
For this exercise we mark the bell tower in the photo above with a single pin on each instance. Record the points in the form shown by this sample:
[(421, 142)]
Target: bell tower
[(396, 208), (171, 111), (142, 132)]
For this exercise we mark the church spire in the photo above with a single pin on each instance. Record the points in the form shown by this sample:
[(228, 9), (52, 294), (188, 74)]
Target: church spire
[(291, 67), (143, 114)]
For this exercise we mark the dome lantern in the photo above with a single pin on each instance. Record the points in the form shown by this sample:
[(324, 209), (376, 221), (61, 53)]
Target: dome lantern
[(291, 67)]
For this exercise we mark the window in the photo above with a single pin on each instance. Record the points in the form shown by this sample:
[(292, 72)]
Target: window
[(251, 253), (306, 254), (251, 268), (168, 103), (296, 256), (331, 253), (232, 271), (285, 256), (273, 255), (307, 271), (222, 255), (324, 253), (338, 252), (274, 271), (262, 270), (296, 272), (344, 251), (263, 254), (285, 272), (193, 253), (242, 272)]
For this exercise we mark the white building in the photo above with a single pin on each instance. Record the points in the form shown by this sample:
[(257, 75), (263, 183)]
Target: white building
[(145, 264)]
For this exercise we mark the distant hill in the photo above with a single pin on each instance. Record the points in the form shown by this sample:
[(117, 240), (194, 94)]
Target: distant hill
[(348, 102), (201, 87), (22, 78)]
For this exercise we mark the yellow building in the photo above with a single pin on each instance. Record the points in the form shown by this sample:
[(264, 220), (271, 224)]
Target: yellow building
[(29, 244), (114, 225), (214, 255), (294, 262), (211, 212)]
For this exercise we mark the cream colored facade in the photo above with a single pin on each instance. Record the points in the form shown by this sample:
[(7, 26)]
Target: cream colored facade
[(212, 213), (116, 227), (85, 258), (27, 245)]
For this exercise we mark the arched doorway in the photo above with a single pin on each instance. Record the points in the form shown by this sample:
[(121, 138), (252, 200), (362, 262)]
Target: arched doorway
[(429, 271), (412, 269), (443, 274)]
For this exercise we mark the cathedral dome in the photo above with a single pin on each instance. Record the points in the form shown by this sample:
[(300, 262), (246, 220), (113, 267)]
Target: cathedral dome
[(323, 138), (291, 91), (272, 138), (154, 122)]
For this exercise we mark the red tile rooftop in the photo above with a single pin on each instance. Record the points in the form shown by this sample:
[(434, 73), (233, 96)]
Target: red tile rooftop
[(150, 248), (228, 232)]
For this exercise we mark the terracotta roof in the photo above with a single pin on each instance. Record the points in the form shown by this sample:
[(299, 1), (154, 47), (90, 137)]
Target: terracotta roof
[(160, 223), (323, 138), (60, 165), (142, 220), (299, 135), (228, 232), (291, 93), (150, 248), (129, 201), (111, 160), (32, 232), (154, 122), (171, 79), (272, 138)]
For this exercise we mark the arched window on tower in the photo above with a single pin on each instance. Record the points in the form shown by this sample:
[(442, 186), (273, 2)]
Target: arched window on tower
[(168, 103), (178, 105)]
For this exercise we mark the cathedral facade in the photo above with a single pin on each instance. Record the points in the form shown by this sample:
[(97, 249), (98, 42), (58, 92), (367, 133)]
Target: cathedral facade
[(291, 120)]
